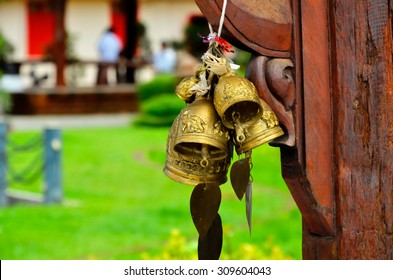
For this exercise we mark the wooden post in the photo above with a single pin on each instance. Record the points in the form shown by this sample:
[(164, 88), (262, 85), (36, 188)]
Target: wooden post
[(362, 102), (130, 9), (60, 41), (332, 90), (3, 163), (53, 192)]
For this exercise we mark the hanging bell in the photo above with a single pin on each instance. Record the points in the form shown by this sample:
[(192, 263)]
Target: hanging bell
[(263, 131), (237, 103), (193, 86), (188, 169), (200, 133), (183, 89)]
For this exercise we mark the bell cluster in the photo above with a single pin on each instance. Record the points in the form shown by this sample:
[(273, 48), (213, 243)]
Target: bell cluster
[(223, 112)]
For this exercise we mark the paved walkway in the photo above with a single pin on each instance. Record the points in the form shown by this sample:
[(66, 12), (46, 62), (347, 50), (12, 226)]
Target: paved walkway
[(69, 121)]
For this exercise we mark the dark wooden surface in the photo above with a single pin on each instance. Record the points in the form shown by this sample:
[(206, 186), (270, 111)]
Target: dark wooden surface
[(269, 23), (337, 154), (362, 102)]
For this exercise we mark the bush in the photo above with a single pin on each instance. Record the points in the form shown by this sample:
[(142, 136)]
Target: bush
[(163, 105), (161, 84), (160, 110), (178, 248)]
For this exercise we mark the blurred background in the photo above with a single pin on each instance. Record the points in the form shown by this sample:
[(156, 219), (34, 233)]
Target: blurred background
[(112, 115)]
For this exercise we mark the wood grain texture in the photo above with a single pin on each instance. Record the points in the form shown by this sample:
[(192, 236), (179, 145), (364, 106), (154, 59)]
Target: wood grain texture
[(317, 110), (362, 101)]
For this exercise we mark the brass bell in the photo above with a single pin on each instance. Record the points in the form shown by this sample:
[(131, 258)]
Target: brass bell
[(188, 169), (183, 89), (200, 133), (263, 131), (237, 103), (193, 86)]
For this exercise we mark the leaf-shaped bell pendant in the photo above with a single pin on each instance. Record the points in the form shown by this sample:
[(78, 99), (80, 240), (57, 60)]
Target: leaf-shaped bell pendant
[(237, 103), (263, 131), (200, 133), (187, 169)]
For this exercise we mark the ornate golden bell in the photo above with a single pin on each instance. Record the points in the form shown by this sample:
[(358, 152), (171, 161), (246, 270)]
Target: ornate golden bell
[(263, 131), (183, 89), (190, 87), (237, 103), (188, 169), (200, 133)]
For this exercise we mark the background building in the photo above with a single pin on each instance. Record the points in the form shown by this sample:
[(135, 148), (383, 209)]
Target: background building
[(30, 27)]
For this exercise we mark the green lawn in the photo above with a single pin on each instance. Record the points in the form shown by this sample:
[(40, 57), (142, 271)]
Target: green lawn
[(120, 205)]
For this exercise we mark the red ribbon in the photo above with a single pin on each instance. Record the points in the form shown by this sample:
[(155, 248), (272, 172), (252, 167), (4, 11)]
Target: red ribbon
[(220, 41)]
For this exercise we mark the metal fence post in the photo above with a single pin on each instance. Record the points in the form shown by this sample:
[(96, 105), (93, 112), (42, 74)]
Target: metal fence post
[(53, 192), (3, 163)]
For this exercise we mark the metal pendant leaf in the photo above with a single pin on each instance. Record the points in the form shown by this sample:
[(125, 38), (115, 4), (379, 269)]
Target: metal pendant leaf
[(204, 204), (210, 247), (240, 176), (249, 205)]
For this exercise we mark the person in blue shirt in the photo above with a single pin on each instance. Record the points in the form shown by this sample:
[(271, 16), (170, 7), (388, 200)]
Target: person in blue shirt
[(165, 60), (109, 48)]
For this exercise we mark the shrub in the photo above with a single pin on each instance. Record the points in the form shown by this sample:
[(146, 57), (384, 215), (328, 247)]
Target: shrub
[(160, 110), (163, 105), (178, 248), (161, 84)]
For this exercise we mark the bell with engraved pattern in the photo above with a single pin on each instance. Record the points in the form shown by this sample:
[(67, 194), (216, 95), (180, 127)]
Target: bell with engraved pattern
[(263, 131), (200, 133), (190, 169), (237, 103), (183, 89)]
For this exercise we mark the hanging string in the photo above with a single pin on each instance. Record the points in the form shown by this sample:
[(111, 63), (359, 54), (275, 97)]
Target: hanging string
[(221, 24), (211, 29), (224, 7)]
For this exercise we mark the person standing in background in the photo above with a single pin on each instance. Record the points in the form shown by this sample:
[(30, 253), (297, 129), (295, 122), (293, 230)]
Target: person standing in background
[(165, 60), (109, 48)]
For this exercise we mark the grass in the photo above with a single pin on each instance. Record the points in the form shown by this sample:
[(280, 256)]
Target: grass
[(120, 205)]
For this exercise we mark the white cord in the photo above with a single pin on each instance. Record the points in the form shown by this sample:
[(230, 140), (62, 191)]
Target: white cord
[(224, 7), (211, 29)]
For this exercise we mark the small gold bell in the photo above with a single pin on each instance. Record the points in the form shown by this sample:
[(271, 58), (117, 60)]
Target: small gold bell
[(188, 169), (193, 86), (200, 132), (183, 89), (237, 103), (263, 131)]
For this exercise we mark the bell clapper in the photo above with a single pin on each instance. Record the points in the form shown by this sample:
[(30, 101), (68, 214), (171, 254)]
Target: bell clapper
[(240, 137), (205, 156)]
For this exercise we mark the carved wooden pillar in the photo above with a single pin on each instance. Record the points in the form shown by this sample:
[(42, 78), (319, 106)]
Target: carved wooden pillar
[(326, 70)]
